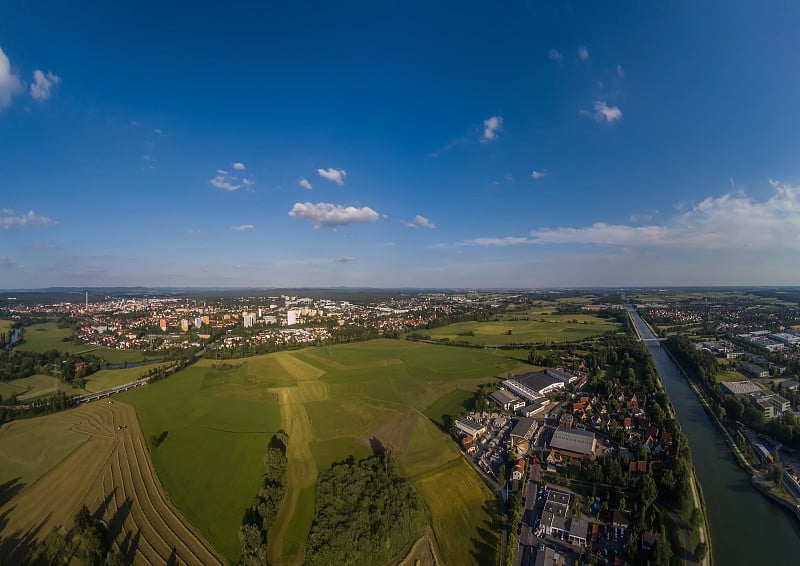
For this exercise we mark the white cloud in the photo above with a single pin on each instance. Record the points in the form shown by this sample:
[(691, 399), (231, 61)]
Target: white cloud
[(248, 182), (536, 175), (491, 128), (335, 175), (732, 221), (420, 222), (159, 132), (583, 53), (239, 166), (497, 242), (225, 180), (603, 111), (327, 215), (43, 84), (10, 219), (620, 72), (303, 182), (554, 55), (10, 84), (509, 177), (242, 227)]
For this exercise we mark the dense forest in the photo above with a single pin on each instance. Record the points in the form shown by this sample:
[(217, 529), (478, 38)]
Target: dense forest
[(365, 513)]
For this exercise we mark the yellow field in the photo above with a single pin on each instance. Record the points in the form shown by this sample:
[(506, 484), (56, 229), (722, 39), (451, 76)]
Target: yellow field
[(110, 472), (462, 507)]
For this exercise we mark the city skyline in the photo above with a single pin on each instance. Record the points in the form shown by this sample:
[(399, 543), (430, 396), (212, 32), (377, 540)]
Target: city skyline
[(463, 145)]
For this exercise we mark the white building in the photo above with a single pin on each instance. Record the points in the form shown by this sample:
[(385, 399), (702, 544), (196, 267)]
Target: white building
[(293, 317), (249, 319)]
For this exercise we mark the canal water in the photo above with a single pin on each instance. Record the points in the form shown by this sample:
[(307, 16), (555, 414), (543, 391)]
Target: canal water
[(746, 527)]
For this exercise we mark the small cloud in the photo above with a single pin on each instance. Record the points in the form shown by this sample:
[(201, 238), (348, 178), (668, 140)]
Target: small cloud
[(303, 182), (10, 219), (498, 242), (554, 55), (242, 227), (10, 84), (583, 53), (224, 180), (620, 72), (135, 123), (603, 111), (159, 132), (249, 183), (335, 175), (43, 84), (491, 128), (326, 215), (239, 166), (509, 177), (641, 217), (344, 259), (420, 222), (536, 175)]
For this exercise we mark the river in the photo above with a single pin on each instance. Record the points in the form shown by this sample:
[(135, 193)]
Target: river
[(746, 527)]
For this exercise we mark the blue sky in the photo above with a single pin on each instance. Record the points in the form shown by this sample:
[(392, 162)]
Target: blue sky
[(468, 144)]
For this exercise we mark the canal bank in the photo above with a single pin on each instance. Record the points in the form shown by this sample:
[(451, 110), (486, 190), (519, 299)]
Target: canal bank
[(745, 527)]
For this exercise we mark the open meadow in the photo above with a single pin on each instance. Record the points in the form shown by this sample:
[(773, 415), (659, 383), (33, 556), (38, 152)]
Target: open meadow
[(6, 326), (524, 328), (93, 455), (48, 336), (333, 402)]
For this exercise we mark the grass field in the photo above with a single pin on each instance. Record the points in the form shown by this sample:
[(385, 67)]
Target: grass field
[(48, 336), (35, 386), (6, 326), (526, 328), (333, 402), (463, 508), (731, 374), (108, 378), (217, 429), (93, 455)]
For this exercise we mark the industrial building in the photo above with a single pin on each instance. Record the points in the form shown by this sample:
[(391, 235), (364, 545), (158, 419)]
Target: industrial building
[(574, 442)]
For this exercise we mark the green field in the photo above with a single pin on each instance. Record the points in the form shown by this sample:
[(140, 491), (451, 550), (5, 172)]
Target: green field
[(6, 326), (333, 402), (731, 374), (35, 386), (526, 328), (31, 447), (48, 336), (211, 461), (463, 510), (108, 378)]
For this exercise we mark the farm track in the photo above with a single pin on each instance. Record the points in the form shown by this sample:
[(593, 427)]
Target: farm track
[(112, 474)]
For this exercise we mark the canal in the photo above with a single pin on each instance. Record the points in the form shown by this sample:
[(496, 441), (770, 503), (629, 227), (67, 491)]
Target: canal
[(746, 527)]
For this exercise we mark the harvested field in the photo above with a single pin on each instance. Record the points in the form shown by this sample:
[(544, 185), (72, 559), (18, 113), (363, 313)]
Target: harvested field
[(112, 475), (421, 552)]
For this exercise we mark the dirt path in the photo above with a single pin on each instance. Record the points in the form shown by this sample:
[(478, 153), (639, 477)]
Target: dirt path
[(111, 473), (301, 472)]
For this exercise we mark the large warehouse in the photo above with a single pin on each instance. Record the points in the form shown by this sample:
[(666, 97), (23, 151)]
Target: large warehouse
[(574, 442), (533, 385)]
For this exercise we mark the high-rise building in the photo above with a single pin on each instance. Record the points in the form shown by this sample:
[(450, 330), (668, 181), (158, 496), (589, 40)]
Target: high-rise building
[(292, 317), (248, 319), (162, 324), (198, 322), (184, 325)]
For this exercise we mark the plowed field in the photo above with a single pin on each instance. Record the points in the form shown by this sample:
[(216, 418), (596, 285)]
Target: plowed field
[(112, 474)]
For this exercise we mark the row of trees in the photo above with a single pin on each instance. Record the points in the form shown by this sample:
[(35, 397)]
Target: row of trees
[(261, 514), (366, 512)]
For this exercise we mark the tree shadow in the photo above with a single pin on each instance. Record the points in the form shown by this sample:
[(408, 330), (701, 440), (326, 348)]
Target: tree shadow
[(129, 546), (485, 546), (9, 489), (16, 548), (117, 520), (103, 507), (173, 558), (377, 446)]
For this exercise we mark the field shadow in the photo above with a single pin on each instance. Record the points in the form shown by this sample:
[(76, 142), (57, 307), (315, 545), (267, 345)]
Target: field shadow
[(129, 546), (484, 547), (17, 548), (377, 446), (9, 489), (117, 521)]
